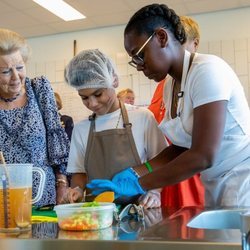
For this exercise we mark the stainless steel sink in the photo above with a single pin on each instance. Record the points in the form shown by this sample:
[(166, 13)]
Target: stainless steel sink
[(218, 219)]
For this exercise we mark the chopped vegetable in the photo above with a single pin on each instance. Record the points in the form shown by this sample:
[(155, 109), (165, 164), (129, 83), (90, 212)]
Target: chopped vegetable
[(107, 196), (87, 219), (91, 204)]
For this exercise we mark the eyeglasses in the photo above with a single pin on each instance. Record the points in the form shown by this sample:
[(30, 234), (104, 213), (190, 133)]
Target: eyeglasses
[(137, 59), (8, 71)]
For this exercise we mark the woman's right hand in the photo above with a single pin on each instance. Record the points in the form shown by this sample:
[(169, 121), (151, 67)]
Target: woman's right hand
[(73, 195)]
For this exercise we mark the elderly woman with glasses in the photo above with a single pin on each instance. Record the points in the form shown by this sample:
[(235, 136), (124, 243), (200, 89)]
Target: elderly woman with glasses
[(207, 119)]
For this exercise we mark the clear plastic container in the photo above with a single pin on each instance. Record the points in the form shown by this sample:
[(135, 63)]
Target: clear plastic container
[(77, 217)]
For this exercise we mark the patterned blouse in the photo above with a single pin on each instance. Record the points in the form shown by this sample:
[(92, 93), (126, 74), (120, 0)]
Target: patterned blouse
[(33, 134)]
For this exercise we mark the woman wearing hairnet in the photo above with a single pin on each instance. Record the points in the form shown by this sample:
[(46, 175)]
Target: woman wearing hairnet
[(115, 136)]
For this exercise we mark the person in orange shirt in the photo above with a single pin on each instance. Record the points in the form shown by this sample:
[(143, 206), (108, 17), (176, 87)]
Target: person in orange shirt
[(191, 191)]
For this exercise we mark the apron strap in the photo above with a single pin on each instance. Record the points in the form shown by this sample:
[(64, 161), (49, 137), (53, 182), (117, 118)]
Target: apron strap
[(127, 125), (190, 61), (125, 119), (181, 93), (90, 137), (92, 121)]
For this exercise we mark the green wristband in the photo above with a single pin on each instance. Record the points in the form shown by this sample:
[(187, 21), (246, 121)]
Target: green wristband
[(149, 167)]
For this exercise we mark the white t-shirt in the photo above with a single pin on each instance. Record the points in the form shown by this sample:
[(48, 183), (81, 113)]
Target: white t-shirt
[(149, 139), (210, 79)]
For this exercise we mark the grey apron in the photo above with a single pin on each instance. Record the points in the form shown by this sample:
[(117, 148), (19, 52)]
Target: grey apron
[(110, 151)]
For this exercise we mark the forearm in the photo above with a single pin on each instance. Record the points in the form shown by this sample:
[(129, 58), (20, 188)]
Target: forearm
[(208, 127), (61, 179), (167, 155), (79, 180), (180, 168), (61, 186)]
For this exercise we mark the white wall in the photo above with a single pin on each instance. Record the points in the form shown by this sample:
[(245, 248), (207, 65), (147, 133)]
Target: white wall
[(226, 34)]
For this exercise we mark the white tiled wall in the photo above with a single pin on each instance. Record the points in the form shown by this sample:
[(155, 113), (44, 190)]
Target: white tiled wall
[(235, 52), (223, 33)]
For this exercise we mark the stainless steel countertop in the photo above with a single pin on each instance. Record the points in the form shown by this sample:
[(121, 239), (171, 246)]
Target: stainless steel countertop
[(162, 229)]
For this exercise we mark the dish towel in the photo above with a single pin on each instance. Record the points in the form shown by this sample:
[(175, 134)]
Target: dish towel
[(43, 215)]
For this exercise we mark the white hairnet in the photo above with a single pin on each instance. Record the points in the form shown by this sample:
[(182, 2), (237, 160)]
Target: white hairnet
[(91, 69)]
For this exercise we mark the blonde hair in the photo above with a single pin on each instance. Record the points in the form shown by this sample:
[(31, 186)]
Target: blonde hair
[(123, 92), (58, 101), (191, 28), (11, 41)]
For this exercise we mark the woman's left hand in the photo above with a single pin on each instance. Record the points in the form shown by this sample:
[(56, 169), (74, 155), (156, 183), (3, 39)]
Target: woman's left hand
[(151, 199), (60, 191)]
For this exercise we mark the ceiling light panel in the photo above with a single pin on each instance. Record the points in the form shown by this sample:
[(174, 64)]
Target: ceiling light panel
[(61, 9)]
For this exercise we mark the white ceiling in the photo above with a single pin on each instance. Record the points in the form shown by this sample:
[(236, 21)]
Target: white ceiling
[(31, 20)]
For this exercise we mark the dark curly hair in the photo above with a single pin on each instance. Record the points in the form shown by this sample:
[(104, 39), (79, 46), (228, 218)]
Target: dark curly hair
[(153, 16)]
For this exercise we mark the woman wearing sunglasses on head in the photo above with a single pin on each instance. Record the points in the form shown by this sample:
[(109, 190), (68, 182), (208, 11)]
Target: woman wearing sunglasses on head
[(207, 120)]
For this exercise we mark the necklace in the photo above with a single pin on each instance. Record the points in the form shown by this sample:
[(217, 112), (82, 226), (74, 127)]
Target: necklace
[(10, 99), (119, 118)]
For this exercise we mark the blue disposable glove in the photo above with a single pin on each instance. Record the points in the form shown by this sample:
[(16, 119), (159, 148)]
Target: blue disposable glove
[(125, 185), (124, 174)]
